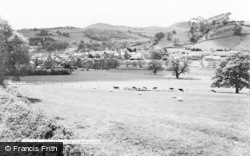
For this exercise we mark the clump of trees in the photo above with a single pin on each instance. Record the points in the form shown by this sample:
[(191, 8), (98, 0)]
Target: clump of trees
[(65, 34), (13, 53), (233, 72), (170, 35), (106, 63), (104, 35), (195, 49), (48, 43), (158, 37), (179, 65)]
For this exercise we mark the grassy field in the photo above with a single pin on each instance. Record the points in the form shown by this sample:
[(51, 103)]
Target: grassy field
[(147, 123)]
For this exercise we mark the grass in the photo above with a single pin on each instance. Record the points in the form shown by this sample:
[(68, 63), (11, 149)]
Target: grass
[(112, 75), (147, 123), (152, 123)]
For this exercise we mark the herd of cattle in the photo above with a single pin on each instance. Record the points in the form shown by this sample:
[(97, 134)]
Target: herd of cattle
[(133, 88)]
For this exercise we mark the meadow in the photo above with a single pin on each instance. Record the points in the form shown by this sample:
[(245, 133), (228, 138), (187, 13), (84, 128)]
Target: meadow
[(147, 123)]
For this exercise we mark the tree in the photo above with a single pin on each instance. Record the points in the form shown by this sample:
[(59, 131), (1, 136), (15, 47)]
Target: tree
[(169, 36), (238, 29), (157, 53), (141, 63), (176, 41), (159, 36), (81, 45), (155, 66), (126, 55), (179, 66), (13, 52), (233, 72), (43, 33)]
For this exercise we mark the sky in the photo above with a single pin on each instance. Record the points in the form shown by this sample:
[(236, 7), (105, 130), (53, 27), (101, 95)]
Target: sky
[(134, 13)]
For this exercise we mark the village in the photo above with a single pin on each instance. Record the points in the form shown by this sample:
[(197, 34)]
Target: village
[(208, 59)]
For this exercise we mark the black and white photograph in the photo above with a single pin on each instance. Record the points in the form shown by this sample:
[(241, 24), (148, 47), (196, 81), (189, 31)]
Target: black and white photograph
[(124, 78)]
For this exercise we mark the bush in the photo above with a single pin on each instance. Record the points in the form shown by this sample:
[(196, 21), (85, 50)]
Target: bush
[(19, 121), (49, 72), (195, 49), (134, 63)]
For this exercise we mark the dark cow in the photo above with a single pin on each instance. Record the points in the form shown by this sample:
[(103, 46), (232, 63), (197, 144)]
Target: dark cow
[(115, 87), (171, 88), (180, 89), (134, 88), (155, 88), (213, 91)]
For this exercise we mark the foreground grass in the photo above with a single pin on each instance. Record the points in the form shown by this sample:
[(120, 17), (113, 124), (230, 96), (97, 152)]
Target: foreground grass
[(151, 123)]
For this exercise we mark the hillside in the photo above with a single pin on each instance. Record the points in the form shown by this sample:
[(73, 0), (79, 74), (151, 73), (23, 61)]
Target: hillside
[(181, 30), (106, 32), (241, 42), (101, 32)]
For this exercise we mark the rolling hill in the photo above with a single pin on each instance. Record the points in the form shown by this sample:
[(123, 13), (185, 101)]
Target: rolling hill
[(100, 32)]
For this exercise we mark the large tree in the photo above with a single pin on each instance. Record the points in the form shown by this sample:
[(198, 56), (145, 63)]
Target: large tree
[(179, 65), (233, 72), (13, 52)]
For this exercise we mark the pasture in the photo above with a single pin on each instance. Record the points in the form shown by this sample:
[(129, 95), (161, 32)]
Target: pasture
[(148, 122)]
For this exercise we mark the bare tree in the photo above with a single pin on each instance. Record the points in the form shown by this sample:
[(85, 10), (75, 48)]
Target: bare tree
[(179, 66)]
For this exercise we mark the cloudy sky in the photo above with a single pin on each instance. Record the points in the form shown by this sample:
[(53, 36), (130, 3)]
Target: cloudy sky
[(138, 13)]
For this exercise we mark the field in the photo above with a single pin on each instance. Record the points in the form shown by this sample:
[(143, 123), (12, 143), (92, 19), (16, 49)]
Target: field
[(148, 123)]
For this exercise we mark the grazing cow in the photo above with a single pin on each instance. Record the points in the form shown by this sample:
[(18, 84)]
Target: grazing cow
[(180, 99), (115, 87), (144, 88), (155, 88), (181, 90), (134, 88), (171, 88), (213, 91)]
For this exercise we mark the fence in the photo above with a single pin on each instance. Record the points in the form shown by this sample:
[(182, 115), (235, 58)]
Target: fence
[(109, 87)]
